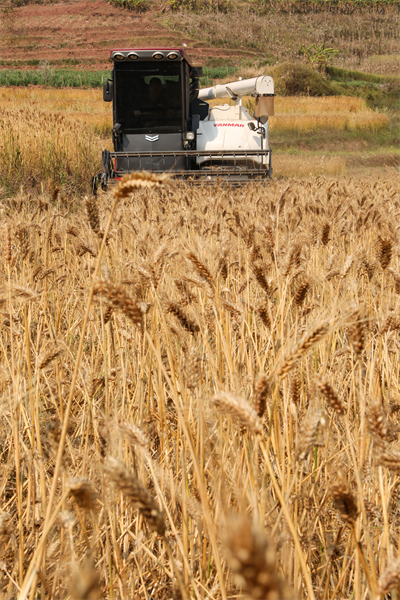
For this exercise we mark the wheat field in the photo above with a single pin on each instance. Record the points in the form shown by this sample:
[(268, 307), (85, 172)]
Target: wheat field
[(200, 392), (54, 137)]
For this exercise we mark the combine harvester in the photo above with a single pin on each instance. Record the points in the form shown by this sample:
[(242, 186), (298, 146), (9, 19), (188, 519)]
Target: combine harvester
[(163, 123)]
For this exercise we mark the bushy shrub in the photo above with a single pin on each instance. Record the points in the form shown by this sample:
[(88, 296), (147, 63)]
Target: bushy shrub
[(297, 79), (134, 5)]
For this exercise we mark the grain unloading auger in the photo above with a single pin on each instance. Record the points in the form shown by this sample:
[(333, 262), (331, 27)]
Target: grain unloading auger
[(162, 122)]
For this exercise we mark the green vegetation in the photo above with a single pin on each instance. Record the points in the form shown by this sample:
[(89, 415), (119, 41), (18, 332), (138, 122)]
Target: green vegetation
[(318, 56), (135, 5), (17, 3), (211, 73), (298, 79), (54, 78), (348, 75), (201, 5), (87, 79), (382, 92), (35, 62)]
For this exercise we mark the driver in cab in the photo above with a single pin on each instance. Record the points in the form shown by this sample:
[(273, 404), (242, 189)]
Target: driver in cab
[(154, 95)]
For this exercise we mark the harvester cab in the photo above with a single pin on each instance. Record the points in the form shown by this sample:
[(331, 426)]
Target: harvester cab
[(162, 122)]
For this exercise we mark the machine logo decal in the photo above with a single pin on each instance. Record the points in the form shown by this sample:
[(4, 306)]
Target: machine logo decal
[(151, 138), (228, 125)]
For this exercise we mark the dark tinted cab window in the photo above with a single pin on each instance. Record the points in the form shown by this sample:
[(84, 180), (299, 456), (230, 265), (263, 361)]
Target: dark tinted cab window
[(149, 97)]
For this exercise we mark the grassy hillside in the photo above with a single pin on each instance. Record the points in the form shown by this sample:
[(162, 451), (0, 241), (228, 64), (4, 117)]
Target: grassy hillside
[(261, 33)]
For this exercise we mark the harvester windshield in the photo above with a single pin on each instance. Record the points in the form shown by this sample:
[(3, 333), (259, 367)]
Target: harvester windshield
[(149, 97)]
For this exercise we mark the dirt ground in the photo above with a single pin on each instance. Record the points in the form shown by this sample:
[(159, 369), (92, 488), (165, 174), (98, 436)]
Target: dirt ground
[(86, 30)]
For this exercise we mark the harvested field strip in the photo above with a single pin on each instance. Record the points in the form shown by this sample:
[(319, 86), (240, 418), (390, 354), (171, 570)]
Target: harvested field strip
[(326, 105), (303, 113), (346, 121), (289, 165)]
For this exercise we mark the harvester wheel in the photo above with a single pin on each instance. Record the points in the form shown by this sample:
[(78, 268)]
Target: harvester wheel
[(96, 182)]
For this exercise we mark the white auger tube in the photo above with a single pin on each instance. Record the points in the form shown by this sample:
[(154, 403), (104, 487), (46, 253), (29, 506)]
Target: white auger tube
[(235, 90)]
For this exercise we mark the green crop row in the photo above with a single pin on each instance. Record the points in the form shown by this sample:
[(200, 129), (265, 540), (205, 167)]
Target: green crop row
[(36, 62), (86, 79), (54, 78), (347, 75)]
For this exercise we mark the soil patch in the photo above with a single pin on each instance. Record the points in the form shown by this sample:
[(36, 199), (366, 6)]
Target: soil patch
[(379, 160), (86, 30)]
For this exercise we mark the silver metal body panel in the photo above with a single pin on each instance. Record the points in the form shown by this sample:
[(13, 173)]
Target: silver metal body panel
[(162, 142)]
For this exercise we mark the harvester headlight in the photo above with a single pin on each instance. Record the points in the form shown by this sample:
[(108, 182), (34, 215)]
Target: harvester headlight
[(133, 56), (158, 55), (173, 55), (190, 135), (119, 56)]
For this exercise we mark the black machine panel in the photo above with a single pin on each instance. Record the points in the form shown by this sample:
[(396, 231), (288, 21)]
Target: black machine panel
[(149, 97)]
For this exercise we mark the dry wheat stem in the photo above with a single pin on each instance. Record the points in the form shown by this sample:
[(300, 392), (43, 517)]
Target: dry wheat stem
[(289, 521), (46, 528), (204, 499)]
